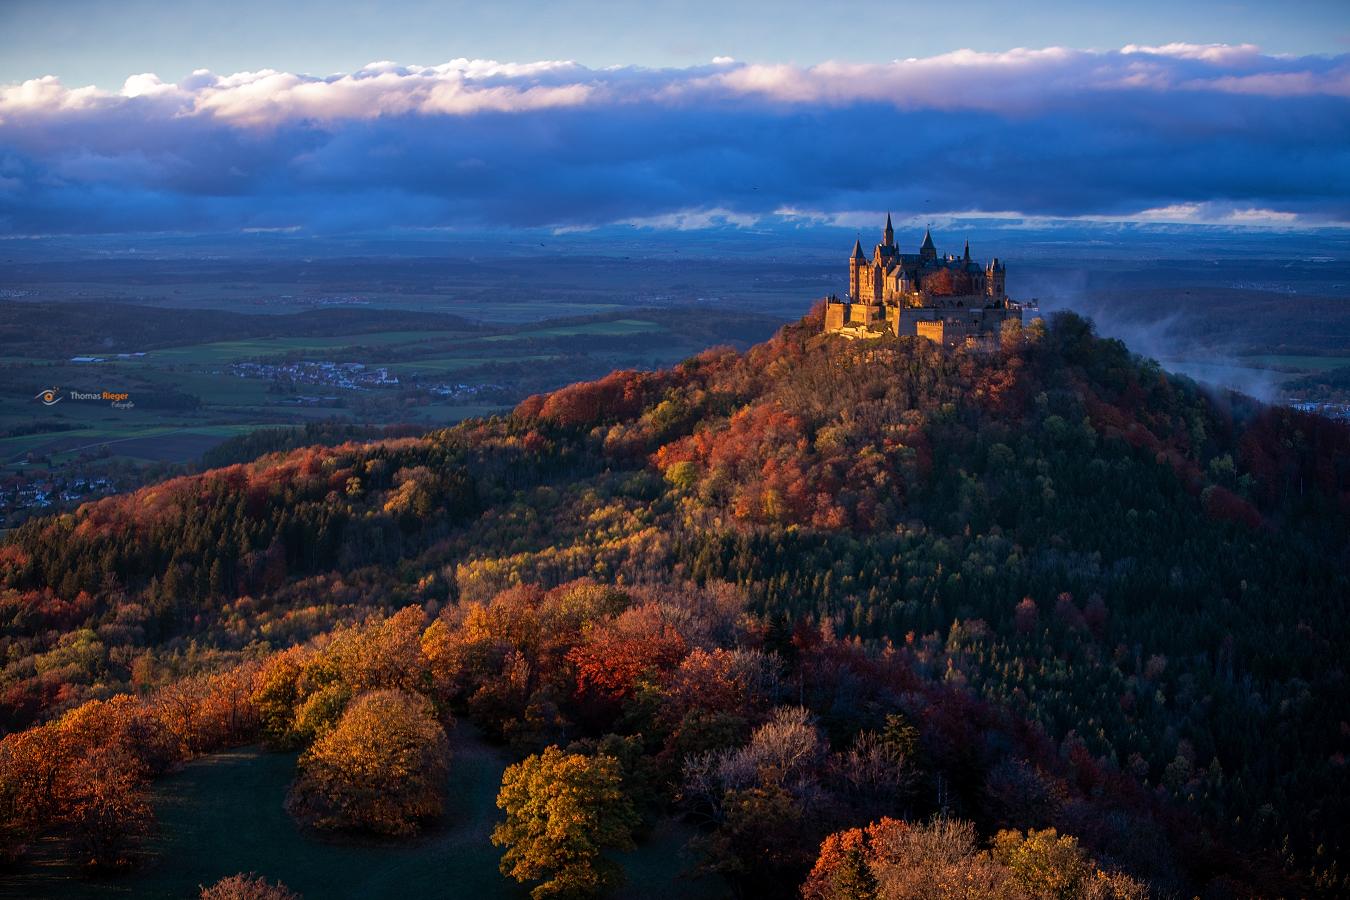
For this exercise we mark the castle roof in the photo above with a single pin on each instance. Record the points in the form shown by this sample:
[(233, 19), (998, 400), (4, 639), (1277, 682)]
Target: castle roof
[(927, 242), (857, 250)]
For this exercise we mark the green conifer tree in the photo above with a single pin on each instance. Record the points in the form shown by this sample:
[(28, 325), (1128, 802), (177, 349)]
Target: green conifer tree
[(853, 880)]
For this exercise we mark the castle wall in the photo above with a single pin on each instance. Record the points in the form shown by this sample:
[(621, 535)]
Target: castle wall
[(835, 314), (933, 331)]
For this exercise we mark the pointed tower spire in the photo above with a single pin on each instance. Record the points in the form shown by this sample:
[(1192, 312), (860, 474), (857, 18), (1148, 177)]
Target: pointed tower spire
[(890, 232), (967, 249), (857, 250), (927, 249)]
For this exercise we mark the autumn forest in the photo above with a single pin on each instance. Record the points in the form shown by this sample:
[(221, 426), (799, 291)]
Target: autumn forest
[(866, 619)]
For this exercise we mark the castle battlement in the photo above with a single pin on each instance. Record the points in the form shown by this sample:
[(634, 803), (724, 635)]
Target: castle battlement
[(947, 299)]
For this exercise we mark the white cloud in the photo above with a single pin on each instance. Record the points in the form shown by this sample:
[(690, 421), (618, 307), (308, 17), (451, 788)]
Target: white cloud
[(1220, 54), (692, 220), (1016, 80), (1181, 133)]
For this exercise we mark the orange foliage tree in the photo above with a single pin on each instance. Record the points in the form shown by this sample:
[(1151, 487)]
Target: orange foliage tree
[(382, 769), (107, 809)]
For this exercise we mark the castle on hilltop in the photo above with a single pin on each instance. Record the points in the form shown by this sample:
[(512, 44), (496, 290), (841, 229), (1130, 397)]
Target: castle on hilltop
[(948, 300)]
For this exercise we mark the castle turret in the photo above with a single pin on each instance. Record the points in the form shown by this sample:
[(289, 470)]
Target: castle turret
[(967, 257), (927, 250), (856, 262), (889, 233), (994, 276)]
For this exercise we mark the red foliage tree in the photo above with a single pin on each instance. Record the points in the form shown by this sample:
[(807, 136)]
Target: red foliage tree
[(616, 654), (1025, 616), (1222, 504), (618, 396)]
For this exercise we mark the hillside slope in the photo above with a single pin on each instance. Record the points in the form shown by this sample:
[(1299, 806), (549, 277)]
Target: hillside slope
[(1152, 575)]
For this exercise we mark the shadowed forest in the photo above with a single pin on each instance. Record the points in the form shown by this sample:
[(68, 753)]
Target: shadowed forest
[(818, 618)]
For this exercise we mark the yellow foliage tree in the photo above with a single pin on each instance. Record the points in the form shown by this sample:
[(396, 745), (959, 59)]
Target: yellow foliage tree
[(562, 811), (1046, 863)]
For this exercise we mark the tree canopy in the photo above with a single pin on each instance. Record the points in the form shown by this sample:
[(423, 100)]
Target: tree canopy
[(381, 769), (562, 812)]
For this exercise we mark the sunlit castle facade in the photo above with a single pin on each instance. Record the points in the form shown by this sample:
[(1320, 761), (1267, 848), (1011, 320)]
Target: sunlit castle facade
[(944, 299)]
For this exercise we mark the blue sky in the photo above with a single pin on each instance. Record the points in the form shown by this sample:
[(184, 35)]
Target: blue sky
[(139, 116), (102, 42)]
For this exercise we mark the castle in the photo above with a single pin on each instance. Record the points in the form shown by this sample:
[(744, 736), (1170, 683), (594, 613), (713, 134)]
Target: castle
[(946, 300)]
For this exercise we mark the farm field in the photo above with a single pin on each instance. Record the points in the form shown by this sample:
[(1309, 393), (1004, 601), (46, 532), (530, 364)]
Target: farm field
[(223, 814), (151, 444), (227, 351), (230, 351), (608, 327)]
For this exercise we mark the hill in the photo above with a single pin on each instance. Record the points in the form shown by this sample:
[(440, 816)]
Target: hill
[(1102, 599)]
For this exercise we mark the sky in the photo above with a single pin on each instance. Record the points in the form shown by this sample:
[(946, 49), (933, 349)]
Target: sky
[(141, 116)]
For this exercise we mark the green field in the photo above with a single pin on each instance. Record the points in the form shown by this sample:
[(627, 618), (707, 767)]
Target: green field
[(156, 441), (615, 326), (228, 351), (223, 814)]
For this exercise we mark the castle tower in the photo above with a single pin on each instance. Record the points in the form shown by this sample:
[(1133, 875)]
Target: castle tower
[(856, 262), (994, 275), (967, 259), (889, 233), (927, 250)]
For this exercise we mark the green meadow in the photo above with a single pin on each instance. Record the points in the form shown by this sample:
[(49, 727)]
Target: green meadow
[(231, 351), (614, 326), (223, 814)]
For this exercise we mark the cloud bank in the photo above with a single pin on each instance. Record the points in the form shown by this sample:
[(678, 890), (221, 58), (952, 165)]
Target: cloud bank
[(1181, 132)]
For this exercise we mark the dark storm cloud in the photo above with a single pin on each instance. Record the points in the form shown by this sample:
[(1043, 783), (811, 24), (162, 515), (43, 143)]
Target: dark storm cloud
[(1178, 133)]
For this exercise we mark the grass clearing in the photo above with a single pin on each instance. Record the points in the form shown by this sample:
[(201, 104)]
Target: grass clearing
[(616, 326), (223, 814), (154, 444), (516, 312), (447, 364)]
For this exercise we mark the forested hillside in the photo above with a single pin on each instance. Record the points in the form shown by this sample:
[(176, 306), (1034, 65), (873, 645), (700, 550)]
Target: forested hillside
[(1041, 586)]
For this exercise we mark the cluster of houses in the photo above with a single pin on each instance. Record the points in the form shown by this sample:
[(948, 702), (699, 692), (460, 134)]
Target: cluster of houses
[(323, 374)]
